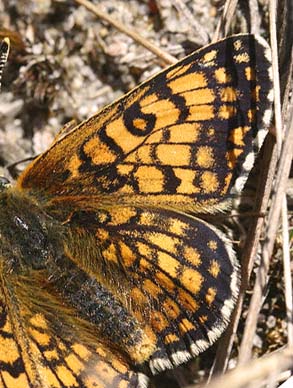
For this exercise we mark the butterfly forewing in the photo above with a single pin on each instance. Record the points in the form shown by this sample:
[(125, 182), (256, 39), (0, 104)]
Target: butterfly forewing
[(182, 138)]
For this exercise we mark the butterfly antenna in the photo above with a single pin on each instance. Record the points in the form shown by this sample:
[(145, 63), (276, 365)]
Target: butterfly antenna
[(4, 51)]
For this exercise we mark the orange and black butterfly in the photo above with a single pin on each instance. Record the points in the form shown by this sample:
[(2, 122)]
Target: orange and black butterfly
[(105, 263)]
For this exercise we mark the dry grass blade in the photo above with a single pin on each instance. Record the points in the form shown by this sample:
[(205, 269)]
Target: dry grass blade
[(252, 243), (288, 281), (257, 372), (287, 272), (273, 223), (255, 20), (167, 58), (274, 215), (225, 21), (275, 65)]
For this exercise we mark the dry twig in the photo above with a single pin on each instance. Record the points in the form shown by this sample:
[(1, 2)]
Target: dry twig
[(167, 58), (254, 16)]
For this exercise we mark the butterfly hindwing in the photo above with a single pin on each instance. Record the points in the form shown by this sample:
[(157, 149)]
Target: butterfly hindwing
[(176, 274)]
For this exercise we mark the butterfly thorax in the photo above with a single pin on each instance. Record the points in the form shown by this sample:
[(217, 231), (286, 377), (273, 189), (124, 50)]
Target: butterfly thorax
[(23, 233)]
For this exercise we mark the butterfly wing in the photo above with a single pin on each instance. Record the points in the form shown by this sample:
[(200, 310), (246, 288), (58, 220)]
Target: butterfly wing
[(182, 139), (43, 344), (178, 278)]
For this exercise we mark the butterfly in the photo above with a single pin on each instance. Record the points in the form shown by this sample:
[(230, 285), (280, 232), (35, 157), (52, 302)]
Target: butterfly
[(106, 264)]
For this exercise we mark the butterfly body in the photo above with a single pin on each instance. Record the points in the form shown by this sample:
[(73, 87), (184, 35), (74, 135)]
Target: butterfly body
[(22, 226), (105, 260)]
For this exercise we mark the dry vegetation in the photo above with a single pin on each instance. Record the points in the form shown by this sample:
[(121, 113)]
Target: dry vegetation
[(67, 63)]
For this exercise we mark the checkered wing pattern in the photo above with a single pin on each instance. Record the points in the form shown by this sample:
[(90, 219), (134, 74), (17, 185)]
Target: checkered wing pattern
[(179, 280), (182, 139)]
